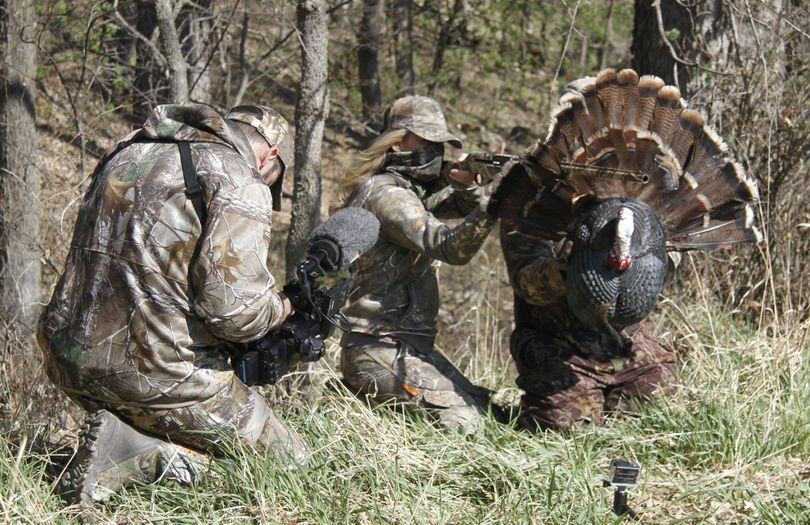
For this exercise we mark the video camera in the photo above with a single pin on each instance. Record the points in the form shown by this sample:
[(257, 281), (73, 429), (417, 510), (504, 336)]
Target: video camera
[(623, 474), (332, 246)]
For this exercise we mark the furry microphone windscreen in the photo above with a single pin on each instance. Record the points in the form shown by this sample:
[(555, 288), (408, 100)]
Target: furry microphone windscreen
[(353, 230)]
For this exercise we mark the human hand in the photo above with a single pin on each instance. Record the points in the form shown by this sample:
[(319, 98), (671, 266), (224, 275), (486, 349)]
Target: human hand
[(462, 176), (288, 306)]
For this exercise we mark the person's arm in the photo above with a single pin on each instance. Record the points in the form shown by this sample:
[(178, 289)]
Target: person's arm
[(534, 269), (459, 196), (405, 221), (234, 290)]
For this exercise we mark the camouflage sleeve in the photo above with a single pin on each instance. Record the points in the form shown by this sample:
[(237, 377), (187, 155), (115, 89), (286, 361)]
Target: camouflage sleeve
[(405, 221), (455, 201), (234, 290), (535, 275)]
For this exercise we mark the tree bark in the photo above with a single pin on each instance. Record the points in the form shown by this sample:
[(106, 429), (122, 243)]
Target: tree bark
[(368, 37), (147, 85), (651, 54), (244, 67), (196, 24), (403, 44), (607, 42), (178, 68), (447, 31), (20, 293), (310, 114)]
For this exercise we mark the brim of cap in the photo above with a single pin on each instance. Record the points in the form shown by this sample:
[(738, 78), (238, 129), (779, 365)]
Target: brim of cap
[(285, 152), (440, 137)]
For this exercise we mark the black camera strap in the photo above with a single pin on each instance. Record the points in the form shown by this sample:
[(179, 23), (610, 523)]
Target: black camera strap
[(193, 188), (194, 194)]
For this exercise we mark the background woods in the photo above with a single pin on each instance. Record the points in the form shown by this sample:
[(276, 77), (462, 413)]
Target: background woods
[(496, 66), (78, 75)]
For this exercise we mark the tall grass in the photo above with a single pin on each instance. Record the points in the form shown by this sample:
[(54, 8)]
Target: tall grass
[(732, 445)]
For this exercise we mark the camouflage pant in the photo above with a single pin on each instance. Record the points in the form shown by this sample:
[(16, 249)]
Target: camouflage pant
[(388, 368), (572, 386), (236, 411)]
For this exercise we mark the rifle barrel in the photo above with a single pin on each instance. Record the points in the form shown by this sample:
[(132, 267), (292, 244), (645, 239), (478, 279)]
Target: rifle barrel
[(603, 172)]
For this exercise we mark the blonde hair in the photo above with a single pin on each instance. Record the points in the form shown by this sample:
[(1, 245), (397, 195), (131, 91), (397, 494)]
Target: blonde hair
[(369, 161)]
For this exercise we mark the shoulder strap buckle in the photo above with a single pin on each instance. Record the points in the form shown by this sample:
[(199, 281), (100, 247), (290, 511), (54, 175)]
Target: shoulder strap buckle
[(193, 189)]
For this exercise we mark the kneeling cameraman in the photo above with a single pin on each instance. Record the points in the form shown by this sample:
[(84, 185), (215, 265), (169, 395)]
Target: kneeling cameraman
[(168, 264)]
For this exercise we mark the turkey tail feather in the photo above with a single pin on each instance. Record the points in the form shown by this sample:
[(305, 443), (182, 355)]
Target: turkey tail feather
[(628, 90), (648, 87), (622, 136)]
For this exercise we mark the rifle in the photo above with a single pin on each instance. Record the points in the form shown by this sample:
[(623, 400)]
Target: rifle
[(484, 166), (300, 338)]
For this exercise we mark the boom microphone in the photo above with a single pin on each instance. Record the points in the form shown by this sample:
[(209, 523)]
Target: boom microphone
[(343, 237), (333, 245)]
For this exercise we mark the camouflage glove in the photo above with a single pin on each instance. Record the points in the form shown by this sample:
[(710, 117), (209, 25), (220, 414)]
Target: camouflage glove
[(561, 252), (489, 189)]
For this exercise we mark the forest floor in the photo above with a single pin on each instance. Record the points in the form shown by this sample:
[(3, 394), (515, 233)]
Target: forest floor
[(731, 445)]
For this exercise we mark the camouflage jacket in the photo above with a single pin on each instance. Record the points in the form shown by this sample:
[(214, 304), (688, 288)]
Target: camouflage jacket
[(136, 317), (396, 291)]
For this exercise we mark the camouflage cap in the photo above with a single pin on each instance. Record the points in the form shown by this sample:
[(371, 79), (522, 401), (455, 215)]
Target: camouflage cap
[(275, 130), (270, 125), (422, 116)]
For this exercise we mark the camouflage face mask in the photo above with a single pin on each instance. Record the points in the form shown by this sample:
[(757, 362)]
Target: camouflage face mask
[(423, 166)]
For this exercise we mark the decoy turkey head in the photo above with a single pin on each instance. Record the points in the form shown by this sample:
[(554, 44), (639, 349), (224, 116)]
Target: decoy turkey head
[(619, 257), (617, 265)]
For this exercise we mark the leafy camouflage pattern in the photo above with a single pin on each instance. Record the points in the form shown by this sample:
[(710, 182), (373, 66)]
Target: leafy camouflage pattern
[(395, 301), (112, 454), (210, 425), (420, 115), (395, 290), (569, 372), (387, 368), (137, 318), (115, 452)]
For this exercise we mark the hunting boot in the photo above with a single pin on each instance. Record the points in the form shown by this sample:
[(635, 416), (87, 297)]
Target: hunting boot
[(112, 455)]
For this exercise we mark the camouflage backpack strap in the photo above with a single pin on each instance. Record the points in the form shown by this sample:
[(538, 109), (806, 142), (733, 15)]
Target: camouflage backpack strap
[(193, 188)]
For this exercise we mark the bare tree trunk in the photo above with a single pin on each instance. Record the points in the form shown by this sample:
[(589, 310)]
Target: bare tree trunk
[(20, 292), (652, 53), (446, 33), (244, 67), (604, 50), (403, 43), (178, 68), (310, 114), (147, 85), (368, 37), (583, 52), (196, 32)]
